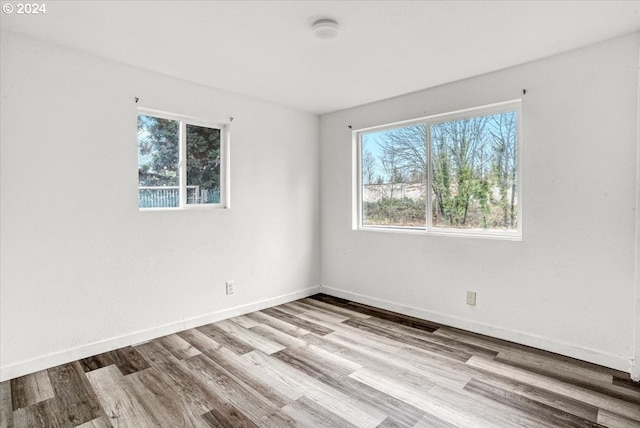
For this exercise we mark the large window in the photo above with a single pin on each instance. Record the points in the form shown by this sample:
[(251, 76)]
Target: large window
[(180, 163), (456, 173)]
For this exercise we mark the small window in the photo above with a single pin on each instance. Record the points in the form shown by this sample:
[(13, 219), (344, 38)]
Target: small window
[(456, 173), (179, 163)]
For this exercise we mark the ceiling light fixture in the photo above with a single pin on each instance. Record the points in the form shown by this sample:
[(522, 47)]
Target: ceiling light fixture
[(325, 29)]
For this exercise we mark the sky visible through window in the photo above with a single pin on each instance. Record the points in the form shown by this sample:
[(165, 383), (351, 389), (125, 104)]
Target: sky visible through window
[(473, 174)]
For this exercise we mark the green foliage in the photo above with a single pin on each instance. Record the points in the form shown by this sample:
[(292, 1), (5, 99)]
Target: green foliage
[(481, 193), (158, 146), (158, 150), (396, 212), (203, 157)]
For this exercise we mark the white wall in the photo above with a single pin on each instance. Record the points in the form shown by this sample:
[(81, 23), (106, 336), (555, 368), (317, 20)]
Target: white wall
[(568, 286), (84, 271)]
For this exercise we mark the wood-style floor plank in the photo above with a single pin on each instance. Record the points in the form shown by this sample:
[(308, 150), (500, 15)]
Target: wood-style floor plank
[(179, 348), (316, 361), (297, 321), (333, 308), (308, 413), (550, 414), (236, 344), (554, 367), (379, 313), (390, 422), (200, 341), (46, 413), (31, 389), (228, 361), (277, 390), (566, 372), (410, 340), (321, 313), (244, 321), (430, 421), (613, 420), (593, 398), (6, 408), (197, 397), (255, 340), (510, 347), (118, 399), (128, 360), (483, 412), (360, 414), (77, 398), (278, 324), (227, 416), (257, 408), (102, 422), (310, 362), (557, 401), (405, 388), (243, 372), (161, 401), (278, 336), (323, 362), (399, 362), (96, 362), (401, 331)]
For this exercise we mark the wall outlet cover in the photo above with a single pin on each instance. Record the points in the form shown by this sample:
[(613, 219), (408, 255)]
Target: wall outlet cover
[(471, 298)]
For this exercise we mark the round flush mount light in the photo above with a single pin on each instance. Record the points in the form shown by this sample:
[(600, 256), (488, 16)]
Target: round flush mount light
[(325, 29)]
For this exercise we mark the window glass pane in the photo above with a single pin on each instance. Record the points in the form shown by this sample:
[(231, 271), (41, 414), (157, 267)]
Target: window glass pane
[(393, 178), (158, 154), (474, 167), (203, 165)]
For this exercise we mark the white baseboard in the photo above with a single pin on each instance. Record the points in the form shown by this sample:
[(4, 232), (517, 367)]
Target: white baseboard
[(539, 342), (51, 360), (635, 363)]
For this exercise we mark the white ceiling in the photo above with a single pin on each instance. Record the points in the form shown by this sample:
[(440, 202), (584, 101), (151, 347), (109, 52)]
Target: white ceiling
[(265, 49)]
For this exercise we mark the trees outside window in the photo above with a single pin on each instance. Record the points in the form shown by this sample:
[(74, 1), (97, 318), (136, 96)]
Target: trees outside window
[(179, 163), (455, 172)]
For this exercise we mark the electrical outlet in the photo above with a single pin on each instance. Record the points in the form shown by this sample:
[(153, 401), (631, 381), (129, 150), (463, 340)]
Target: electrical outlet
[(230, 285), (471, 298)]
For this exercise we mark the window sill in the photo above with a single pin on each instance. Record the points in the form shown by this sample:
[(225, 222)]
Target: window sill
[(195, 207), (458, 233)]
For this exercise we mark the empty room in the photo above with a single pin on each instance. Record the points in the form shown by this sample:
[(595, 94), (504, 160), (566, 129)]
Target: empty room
[(320, 213)]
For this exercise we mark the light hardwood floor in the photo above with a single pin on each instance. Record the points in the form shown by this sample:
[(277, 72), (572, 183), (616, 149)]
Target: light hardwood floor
[(323, 361)]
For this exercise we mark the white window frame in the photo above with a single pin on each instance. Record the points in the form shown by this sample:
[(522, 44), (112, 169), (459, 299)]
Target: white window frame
[(428, 229), (183, 121)]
